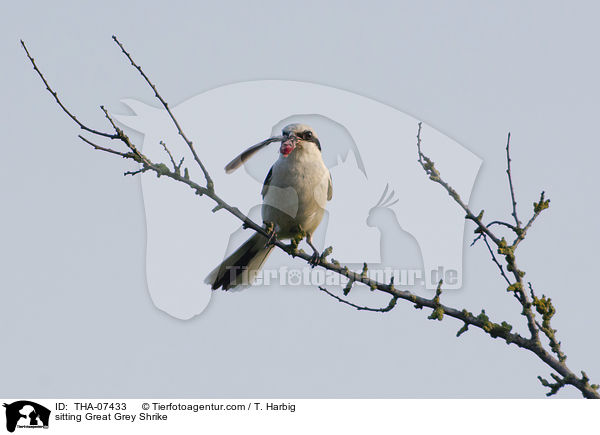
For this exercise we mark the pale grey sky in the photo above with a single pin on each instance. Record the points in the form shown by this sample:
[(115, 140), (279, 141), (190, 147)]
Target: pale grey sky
[(76, 315)]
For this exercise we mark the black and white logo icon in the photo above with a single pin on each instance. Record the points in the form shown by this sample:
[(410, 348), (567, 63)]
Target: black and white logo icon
[(25, 414)]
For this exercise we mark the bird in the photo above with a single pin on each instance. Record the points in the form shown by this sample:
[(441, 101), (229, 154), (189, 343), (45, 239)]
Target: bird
[(295, 193)]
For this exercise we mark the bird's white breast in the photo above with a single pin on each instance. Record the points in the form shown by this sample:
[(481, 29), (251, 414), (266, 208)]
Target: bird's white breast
[(297, 193)]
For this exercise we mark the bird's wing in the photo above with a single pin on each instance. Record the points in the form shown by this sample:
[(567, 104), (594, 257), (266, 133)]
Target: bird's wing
[(329, 188), (267, 182)]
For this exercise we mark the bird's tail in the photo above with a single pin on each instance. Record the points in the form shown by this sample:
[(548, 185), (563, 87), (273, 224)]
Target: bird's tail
[(240, 268)]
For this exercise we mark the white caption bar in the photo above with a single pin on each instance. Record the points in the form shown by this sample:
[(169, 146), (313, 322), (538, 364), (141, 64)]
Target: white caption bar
[(289, 416)]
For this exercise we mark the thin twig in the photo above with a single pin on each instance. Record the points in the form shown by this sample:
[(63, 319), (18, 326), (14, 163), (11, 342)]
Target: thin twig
[(419, 143), (506, 224), (510, 183), (209, 181), (491, 224), (125, 139), (385, 309), (495, 260), (164, 145), (101, 148), (139, 171), (537, 210), (434, 175), (61, 105)]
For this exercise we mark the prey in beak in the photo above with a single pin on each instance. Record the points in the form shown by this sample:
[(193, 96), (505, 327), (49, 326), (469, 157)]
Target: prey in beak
[(242, 158), (290, 138), (288, 145)]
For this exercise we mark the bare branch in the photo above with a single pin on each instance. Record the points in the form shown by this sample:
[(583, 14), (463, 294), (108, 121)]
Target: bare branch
[(434, 175), (139, 171), (480, 234), (125, 139), (61, 105), (510, 183), (389, 307), (176, 167), (538, 207), (495, 260), (506, 224), (209, 181), (508, 251), (419, 144), (101, 148)]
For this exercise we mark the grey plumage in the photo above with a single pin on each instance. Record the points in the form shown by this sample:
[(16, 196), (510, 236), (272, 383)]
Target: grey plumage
[(239, 268)]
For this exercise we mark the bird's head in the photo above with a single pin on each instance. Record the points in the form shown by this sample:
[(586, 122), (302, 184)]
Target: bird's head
[(294, 136), (298, 136)]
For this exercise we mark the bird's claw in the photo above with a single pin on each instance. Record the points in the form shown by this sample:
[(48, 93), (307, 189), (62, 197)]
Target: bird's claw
[(272, 238), (315, 259)]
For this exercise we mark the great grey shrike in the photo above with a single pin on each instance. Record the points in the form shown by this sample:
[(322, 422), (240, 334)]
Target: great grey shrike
[(294, 193)]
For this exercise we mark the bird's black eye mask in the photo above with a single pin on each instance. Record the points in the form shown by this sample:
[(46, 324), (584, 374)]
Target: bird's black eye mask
[(309, 137), (306, 136)]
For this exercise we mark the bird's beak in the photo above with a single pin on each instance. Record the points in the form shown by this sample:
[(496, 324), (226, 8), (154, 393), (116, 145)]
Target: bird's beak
[(288, 146)]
